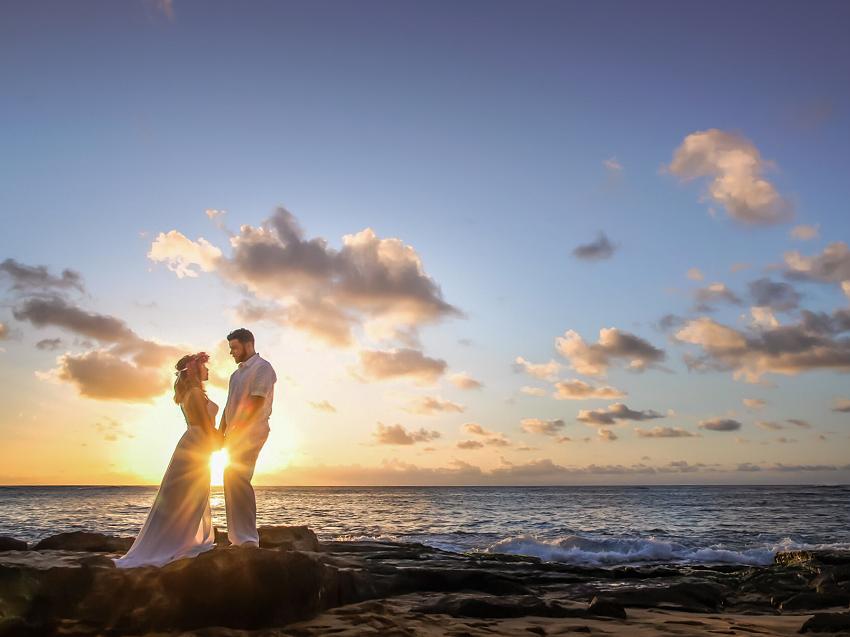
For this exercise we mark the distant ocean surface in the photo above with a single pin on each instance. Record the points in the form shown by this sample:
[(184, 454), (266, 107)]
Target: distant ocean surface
[(580, 525)]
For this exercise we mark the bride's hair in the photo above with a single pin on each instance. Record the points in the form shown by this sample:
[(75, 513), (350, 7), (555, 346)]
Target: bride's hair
[(189, 375)]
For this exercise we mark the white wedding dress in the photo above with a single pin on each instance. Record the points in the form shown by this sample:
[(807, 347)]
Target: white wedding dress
[(179, 523)]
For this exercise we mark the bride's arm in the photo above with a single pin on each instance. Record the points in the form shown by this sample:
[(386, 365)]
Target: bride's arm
[(196, 410)]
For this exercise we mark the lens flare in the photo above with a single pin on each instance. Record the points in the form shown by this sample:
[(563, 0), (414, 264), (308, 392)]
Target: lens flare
[(218, 463)]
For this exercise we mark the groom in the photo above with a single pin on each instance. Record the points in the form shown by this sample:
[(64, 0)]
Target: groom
[(245, 426)]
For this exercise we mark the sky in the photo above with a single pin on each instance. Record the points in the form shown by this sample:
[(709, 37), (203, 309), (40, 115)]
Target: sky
[(507, 243)]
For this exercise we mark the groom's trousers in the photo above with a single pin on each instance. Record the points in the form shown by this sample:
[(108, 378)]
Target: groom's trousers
[(243, 447)]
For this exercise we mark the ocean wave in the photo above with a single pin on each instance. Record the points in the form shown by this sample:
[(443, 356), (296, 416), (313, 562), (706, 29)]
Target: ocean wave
[(585, 551)]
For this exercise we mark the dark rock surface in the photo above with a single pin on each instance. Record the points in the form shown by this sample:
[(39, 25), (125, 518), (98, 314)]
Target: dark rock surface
[(11, 544), (85, 541), (827, 623), (69, 585)]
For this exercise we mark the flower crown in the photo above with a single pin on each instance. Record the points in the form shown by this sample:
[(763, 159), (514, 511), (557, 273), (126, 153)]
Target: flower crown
[(183, 363)]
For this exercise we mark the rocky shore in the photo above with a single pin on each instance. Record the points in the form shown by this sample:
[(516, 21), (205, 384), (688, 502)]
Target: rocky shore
[(294, 585)]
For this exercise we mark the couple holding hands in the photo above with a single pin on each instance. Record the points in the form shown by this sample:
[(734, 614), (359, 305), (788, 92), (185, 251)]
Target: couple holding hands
[(179, 523)]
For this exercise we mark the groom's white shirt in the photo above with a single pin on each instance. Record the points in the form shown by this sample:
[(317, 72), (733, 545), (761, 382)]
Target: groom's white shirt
[(253, 377)]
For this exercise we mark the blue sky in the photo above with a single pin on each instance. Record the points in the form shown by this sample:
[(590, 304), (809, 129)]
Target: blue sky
[(475, 133)]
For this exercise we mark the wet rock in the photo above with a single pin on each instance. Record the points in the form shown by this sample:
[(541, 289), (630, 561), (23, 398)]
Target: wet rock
[(693, 596), (606, 608), (85, 542), (811, 601), (827, 623), (291, 538), (497, 607), (833, 557), (11, 544)]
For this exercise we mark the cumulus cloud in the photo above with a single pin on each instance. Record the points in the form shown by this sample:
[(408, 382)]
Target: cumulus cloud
[(830, 266), (462, 380), (323, 405), (470, 444), (804, 232), (720, 424), (182, 255), (614, 345), (476, 429), (376, 365), (714, 293), (398, 435), (429, 405), (576, 389), (490, 437), (539, 426), (613, 413), (665, 432), (606, 435), (126, 367), (378, 283), (543, 371), (734, 167), (596, 250), (28, 278), (778, 296), (812, 343), (762, 317)]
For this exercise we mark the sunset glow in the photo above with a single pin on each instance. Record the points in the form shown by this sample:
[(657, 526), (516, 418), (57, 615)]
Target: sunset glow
[(218, 463)]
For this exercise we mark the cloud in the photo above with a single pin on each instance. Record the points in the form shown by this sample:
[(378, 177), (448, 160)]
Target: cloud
[(57, 312), (533, 391), (28, 279), (769, 425), (49, 344), (735, 167), (754, 403), (182, 255), (607, 435), (784, 349), (597, 250), (378, 283), (476, 429), (103, 376), (462, 380), (400, 363), (775, 295), (613, 166), (323, 405), (720, 424), (398, 435), (491, 438), (470, 444), (539, 426), (714, 293), (579, 390), (694, 274), (428, 405), (798, 422), (763, 317), (613, 413), (613, 345), (4, 331), (841, 405), (543, 371), (804, 233), (830, 266), (665, 432)]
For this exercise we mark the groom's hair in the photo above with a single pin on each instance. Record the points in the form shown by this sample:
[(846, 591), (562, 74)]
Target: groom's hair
[(242, 335)]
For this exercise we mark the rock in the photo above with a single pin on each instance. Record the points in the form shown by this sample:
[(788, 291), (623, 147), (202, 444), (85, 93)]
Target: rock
[(834, 557), (827, 623), (698, 597), (86, 542), (11, 544), (497, 607), (228, 588), (811, 601), (290, 538), (606, 608)]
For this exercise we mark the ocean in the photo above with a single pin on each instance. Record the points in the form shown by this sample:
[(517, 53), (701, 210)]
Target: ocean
[(602, 526)]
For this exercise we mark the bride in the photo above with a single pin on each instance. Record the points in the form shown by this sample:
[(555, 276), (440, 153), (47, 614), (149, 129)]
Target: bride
[(179, 523)]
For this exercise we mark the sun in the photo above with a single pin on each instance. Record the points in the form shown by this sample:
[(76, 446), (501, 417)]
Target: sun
[(218, 463)]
